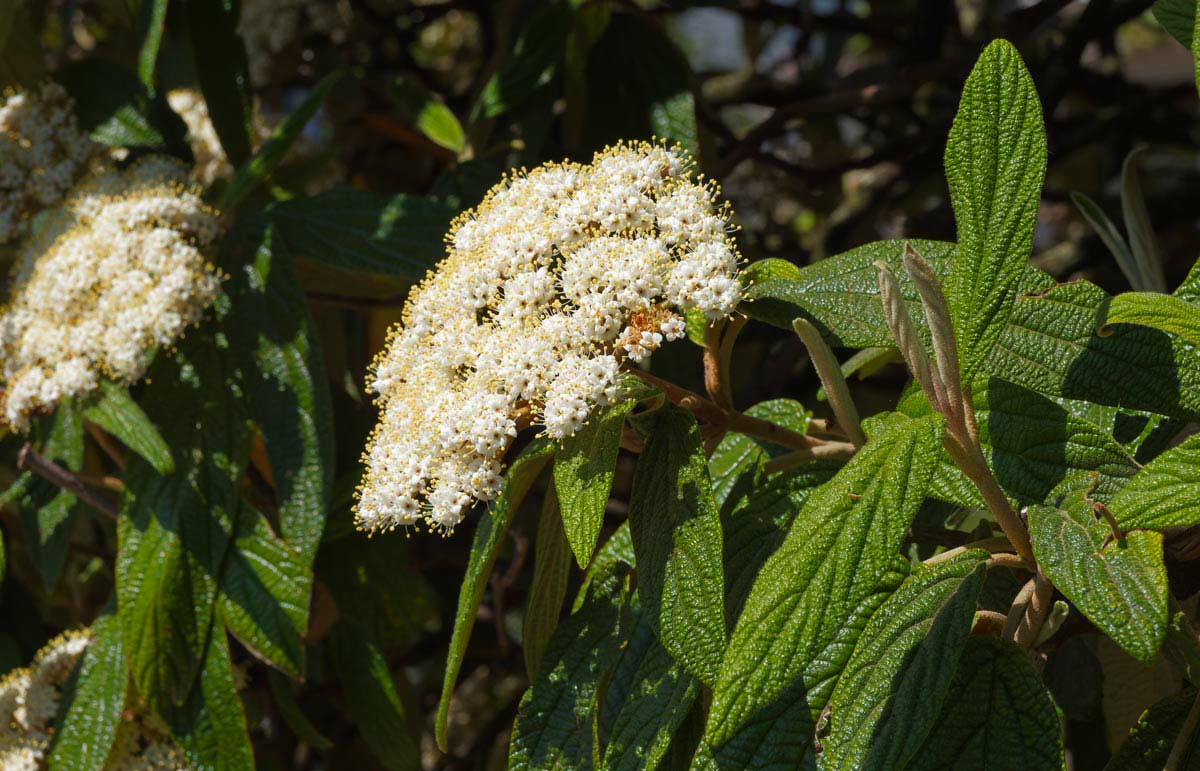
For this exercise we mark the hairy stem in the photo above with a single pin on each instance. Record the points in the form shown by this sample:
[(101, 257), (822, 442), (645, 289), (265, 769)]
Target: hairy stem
[(28, 459), (1036, 610), (830, 373)]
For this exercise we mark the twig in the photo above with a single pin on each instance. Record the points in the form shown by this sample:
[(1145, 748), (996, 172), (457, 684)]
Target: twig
[(1007, 560), (987, 622), (29, 459), (106, 444), (1035, 611)]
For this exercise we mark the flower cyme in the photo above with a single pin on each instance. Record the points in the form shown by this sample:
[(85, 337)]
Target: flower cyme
[(119, 268), (558, 279), (42, 153)]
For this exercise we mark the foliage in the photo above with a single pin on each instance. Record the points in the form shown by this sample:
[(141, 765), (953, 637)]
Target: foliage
[(958, 549)]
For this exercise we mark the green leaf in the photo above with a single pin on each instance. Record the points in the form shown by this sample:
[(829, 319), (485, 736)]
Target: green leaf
[(677, 539), (534, 61), (1121, 587), (118, 110), (47, 513), (289, 710), (93, 700), (649, 95), (286, 388), (997, 715), (887, 697), (551, 569), (371, 698), (837, 565), (1141, 232), (1051, 346), (647, 698), (489, 537), (995, 164), (256, 171), (211, 726), (114, 410), (583, 476), (1189, 290), (840, 295), (1172, 315), (737, 460), (174, 531), (264, 594), (154, 20), (1151, 739), (359, 231), (220, 61), (555, 725), (1178, 18), (438, 122), (1165, 494), (1111, 237)]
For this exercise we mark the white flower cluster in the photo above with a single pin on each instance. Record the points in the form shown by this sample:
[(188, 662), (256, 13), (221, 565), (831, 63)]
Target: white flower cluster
[(29, 702), (556, 279), (117, 269), (211, 163), (42, 154), (267, 27)]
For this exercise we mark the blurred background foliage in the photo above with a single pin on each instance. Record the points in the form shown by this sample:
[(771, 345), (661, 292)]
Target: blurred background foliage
[(823, 121)]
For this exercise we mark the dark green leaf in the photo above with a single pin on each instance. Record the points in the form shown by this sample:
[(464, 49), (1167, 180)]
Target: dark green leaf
[(210, 725), (1151, 739), (555, 725), (837, 565), (154, 21), (174, 531), (270, 154), (1178, 17), (1111, 237), (551, 569), (997, 716), (489, 537), (737, 460), (220, 60), (1164, 494), (46, 511), (287, 390), (887, 697), (371, 698), (358, 231), (117, 108), (677, 539), (93, 700), (995, 163), (117, 413), (533, 63), (264, 593), (583, 475), (289, 710), (1121, 587), (647, 698)]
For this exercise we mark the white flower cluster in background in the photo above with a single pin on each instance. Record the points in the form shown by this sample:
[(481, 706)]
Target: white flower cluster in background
[(211, 163), (267, 27), (560, 276), (29, 703), (42, 153), (119, 268)]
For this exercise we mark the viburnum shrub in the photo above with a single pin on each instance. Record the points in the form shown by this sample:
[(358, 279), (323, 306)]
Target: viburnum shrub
[(264, 425)]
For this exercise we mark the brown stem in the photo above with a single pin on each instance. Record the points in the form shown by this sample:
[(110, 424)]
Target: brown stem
[(715, 376), (987, 622), (1035, 611), (1007, 560), (29, 459), (106, 444), (975, 467)]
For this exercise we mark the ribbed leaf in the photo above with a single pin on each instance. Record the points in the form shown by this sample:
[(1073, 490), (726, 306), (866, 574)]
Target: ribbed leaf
[(647, 698), (264, 592), (371, 698), (211, 726), (286, 388), (1177, 17), (1164, 494), (551, 569), (737, 460), (220, 61), (555, 725), (1151, 739), (1121, 588), (359, 231), (677, 539), (93, 700), (1189, 290), (812, 597), (114, 410), (997, 716), (583, 476), (489, 538), (174, 531), (995, 163), (887, 697), (270, 154), (1161, 311)]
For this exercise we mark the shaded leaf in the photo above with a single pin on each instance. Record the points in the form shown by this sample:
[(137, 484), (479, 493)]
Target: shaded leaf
[(118, 110), (1161, 311), (677, 539), (535, 59), (551, 569), (289, 710), (220, 60), (210, 725), (114, 410), (1151, 739)]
